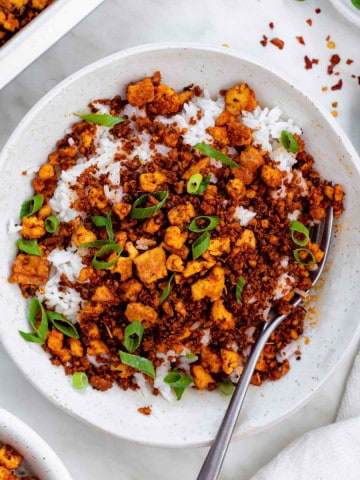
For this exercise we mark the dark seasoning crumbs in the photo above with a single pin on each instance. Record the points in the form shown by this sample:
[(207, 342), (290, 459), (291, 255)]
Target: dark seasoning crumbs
[(309, 62)]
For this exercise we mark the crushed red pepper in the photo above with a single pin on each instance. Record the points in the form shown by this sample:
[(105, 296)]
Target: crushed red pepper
[(278, 43)]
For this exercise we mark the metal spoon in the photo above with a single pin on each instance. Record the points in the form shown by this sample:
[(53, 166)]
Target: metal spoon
[(211, 467)]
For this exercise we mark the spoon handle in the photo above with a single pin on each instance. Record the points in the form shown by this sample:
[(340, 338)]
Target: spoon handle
[(215, 457)]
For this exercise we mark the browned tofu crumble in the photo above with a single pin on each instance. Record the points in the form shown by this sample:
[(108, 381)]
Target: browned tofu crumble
[(10, 465), (202, 295), (16, 14)]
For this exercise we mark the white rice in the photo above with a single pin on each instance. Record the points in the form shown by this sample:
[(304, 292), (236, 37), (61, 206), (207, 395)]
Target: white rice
[(244, 216)]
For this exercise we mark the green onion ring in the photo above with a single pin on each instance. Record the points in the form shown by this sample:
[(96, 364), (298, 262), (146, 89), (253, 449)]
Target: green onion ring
[(80, 380), (114, 247), (29, 246), (194, 183), (212, 153), (145, 212), (301, 262), (300, 228), (51, 224), (62, 324), (226, 387), (139, 363), (101, 119), (133, 334), (289, 142), (213, 222), (31, 206), (200, 245), (178, 381)]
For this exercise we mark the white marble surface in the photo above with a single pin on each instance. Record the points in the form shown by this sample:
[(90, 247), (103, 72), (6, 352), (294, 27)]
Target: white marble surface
[(117, 24)]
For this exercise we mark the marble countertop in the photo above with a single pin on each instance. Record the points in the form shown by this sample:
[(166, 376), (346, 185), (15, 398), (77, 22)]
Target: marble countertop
[(117, 24)]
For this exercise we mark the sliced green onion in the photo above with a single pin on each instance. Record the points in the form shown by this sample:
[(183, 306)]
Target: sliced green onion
[(97, 243), (289, 142), (63, 324), (212, 153), (101, 119), (200, 245), (194, 183), (190, 355), (167, 290), (29, 246), (298, 227), (297, 252), (31, 337), (356, 3), (239, 288), (204, 183), (145, 212), (226, 387), (139, 363), (133, 334), (31, 206), (213, 222), (80, 380), (106, 222), (51, 224), (111, 247), (34, 308), (178, 381)]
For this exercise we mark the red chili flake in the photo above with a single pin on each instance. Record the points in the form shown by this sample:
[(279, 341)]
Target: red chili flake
[(278, 42), (334, 60), (317, 10), (327, 38), (308, 63), (264, 41), (309, 21), (337, 86), (315, 61), (353, 76), (359, 80), (349, 61), (271, 25), (337, 74), (300, 40)]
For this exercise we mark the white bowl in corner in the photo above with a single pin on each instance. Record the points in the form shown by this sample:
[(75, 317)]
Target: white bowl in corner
[(40, 460), (194, 420)]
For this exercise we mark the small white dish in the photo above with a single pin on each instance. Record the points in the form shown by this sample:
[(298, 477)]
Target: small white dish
[(40, 460), (348, 10), (194, 420), (40, 34)]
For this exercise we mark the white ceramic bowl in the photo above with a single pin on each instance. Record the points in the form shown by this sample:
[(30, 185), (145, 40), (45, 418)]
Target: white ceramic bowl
[(348, 10), (193, 420), (39, 458)]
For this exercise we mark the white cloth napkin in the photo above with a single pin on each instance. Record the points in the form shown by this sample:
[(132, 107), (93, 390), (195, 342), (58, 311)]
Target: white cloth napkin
[(328, 453)]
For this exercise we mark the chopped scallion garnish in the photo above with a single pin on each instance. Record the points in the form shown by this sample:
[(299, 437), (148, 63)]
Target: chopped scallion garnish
[(212, 153), (106, 222), (226, 387), (40, 332), (139, 363), (356, 3), (80, 380), (167, 290), (101, 119), (200, 245), (29, 246), (304, 252), (31, 206), (289, 142), (133, 334), (213, 222), (239, 288), (51, 224), (110, 247), (178, 381), (63, 324), (194, 183), (146, 212), (298, 227)]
